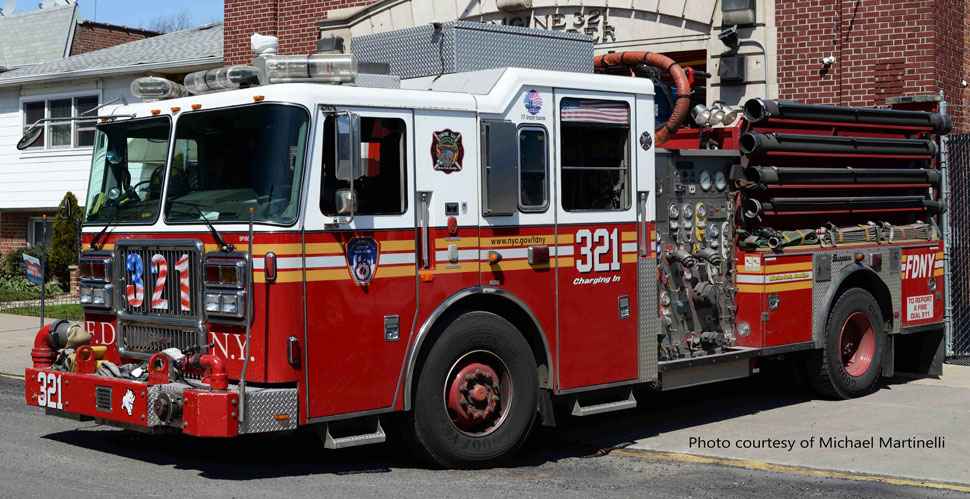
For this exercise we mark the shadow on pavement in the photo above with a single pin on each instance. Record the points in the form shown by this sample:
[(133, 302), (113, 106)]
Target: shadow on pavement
[(301, 453)]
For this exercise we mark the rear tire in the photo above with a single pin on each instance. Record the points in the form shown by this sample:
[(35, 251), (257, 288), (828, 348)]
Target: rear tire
[(476, 395), (855, 342)]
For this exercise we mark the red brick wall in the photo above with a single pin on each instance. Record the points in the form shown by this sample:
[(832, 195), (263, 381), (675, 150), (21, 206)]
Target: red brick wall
[(293, 21), (13, 228), (90, 36), (883, 48)]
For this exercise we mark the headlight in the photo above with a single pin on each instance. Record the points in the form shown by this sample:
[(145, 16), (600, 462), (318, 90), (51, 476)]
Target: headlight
[(212, 302), (744, 329)]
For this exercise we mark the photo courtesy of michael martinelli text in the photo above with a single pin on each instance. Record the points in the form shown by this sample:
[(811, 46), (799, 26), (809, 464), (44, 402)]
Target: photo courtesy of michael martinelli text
[(819, 443)]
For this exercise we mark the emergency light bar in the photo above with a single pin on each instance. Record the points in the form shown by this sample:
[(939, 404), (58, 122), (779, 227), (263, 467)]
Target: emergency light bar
[(317, 68), (151, 89), (227, 78)]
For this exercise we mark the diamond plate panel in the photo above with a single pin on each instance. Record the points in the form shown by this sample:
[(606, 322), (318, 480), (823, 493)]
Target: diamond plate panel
[(648, 322), (263, 404), (468, 46), (839, 260), (173, 389), (699, 375)]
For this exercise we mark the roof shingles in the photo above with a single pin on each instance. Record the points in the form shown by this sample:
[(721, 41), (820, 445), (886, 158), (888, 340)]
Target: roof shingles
[(202, 43)]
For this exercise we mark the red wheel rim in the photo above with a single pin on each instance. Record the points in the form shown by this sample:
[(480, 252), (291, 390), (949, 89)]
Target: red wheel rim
[(857, 342), (478, 393)]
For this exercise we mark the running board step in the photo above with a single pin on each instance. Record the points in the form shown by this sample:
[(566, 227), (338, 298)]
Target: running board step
[(331, 442), (589, 410)]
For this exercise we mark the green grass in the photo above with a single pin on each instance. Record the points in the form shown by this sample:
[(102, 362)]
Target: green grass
[(72, 312)]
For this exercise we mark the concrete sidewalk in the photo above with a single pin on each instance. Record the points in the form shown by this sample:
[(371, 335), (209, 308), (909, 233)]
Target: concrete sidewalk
[(17, 334)]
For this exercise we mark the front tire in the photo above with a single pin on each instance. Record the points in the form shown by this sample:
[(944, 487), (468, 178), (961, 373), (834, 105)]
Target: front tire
[(855, 342), (476, 394)]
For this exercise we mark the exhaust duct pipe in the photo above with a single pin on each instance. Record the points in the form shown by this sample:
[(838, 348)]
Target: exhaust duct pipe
[(753, 208), (760, 111), (768, 175), (759, 144)]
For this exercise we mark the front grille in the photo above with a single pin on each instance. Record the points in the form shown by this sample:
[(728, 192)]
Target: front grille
[(102, 398), (171, 290), (151, 339)]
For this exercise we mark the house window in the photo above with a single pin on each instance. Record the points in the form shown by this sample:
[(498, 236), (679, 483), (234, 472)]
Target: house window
[(62, 135), (35, 230)]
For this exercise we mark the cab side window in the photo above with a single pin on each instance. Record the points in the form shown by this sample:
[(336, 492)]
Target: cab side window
[(381, 190), (533, 169), (595, 154)]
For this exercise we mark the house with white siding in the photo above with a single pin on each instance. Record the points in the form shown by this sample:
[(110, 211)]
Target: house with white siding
[(33, 181)]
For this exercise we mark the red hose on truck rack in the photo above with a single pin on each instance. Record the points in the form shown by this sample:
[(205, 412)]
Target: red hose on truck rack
[(665, 131)]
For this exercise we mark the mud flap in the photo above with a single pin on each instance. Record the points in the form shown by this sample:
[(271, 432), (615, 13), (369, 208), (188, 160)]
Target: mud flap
[(920, 353)]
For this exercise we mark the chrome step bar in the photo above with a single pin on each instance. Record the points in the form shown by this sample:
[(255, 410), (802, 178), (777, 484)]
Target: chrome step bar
[(331, 442), (629, 403)]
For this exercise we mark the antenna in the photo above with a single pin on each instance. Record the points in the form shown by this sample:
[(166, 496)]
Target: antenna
[(8, 7)]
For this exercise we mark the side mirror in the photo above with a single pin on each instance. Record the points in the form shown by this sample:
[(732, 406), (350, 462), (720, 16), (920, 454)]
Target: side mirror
[(65, 210), (348, 146), (30, 136), (346, 202)]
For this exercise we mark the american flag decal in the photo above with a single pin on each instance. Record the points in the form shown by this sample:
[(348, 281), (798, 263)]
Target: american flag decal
[(594, 111)]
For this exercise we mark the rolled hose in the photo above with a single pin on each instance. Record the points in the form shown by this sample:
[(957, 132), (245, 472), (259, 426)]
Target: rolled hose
[(753, 208), (760, 110), (758, 144), (681, 109), (769, 175)]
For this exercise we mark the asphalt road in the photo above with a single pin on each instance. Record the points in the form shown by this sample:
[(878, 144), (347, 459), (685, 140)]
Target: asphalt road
[(54, 457)]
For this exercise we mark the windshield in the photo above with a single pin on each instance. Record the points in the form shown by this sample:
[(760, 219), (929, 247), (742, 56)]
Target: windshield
[(127, 171), (230, 160)]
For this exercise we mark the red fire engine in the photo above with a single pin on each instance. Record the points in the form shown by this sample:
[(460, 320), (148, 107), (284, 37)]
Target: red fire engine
[(317, 241)]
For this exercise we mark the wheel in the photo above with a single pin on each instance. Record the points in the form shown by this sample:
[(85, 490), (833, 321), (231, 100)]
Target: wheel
[(855, 341), (476, 394)]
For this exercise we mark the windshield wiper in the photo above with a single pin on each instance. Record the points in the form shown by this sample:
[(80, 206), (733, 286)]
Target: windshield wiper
[(215, 234), (97, 238)]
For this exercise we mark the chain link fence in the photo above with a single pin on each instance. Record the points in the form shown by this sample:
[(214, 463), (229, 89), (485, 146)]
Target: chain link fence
[(958, 216)]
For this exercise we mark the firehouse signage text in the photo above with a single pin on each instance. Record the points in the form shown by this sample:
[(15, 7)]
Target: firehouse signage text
[(447, 151)]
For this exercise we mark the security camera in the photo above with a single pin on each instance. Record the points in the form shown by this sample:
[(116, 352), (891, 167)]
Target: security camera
[(828, 60), (964, 83)]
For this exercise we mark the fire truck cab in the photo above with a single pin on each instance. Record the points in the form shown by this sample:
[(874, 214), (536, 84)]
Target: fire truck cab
[(465, 248)]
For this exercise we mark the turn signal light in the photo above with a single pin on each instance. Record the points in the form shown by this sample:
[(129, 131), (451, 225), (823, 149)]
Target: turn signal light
[(269, 269)]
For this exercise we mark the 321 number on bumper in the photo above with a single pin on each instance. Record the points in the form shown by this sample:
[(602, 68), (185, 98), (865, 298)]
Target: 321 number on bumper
[(50, 390)]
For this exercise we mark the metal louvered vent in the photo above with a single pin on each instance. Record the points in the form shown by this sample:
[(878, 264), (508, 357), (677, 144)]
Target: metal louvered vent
[(102, 398)]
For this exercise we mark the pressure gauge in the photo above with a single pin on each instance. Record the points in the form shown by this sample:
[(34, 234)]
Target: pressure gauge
[(665, 299), (673, 212), (701, 211), (706, 180), (713, 232), (688, 211), (720, 181)]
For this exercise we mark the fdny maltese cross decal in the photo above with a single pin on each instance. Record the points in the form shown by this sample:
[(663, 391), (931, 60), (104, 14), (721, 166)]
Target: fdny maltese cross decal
[(362, 253), (447, 151)]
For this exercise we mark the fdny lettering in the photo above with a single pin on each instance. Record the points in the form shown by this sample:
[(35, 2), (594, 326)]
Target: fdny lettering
[(232, 346), (920, 265), (106, 329)]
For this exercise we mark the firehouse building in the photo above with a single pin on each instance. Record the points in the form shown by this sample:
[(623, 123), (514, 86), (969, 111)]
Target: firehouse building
[(839, 52)]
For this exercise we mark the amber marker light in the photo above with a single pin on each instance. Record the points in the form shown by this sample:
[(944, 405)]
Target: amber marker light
[(196, 106), (426, 276), (175, 110), (156, 111), (494, 257), (259, 98), (859, 257)]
